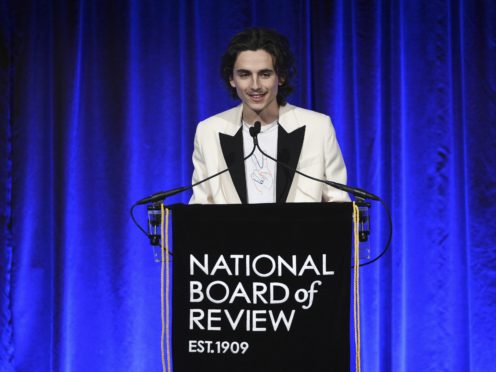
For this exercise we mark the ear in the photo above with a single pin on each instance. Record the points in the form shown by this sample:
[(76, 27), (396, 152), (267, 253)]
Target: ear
[(282, 81), (231, 81)]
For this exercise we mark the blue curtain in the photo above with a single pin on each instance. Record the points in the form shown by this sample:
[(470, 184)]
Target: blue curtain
[(98, 107)]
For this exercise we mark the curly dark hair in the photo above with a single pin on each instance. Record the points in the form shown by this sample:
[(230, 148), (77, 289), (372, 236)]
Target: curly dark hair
[(273, 43)]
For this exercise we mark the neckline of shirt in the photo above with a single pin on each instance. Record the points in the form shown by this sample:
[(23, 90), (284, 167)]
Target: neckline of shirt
[(264, 128)]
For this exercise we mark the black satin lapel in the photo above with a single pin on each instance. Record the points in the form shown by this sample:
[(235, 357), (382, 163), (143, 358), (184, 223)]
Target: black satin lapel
[(232, 149), (288, 151)]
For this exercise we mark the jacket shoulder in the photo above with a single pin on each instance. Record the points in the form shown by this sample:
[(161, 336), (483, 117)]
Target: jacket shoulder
[(222, 120), (293, 117), (309, 114)]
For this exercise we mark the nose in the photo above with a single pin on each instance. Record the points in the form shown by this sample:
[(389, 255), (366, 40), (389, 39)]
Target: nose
[(255, 84)]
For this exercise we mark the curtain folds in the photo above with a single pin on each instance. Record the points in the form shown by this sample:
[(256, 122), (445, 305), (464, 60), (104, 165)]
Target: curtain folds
[(98, 107)]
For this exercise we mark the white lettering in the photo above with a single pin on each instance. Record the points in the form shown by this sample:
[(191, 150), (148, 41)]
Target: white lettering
[(324, 266), (195, 315), (284, 287), (255, 320), (234, 323), (195, 288), (211, 318), (236, 258), (272, 265), (281, 262), (282, 316), (209, 292), (308, 265), (239, 291), (221, 264), (258, 318), (263, 265), (258, 290), (194, 262)]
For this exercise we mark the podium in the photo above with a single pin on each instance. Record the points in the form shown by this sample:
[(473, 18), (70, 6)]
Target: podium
[(262, 287)]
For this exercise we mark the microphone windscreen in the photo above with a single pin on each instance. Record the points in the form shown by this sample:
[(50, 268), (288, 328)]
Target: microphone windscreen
[(255, 129)]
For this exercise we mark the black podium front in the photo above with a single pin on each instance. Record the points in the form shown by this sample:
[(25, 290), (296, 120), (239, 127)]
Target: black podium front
[(261, 287)]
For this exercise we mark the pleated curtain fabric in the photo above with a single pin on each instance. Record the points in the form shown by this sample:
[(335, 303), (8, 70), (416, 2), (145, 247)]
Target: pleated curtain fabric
[(98, 106)]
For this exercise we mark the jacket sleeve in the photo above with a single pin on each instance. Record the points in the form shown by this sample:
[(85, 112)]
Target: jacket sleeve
[(201, 193), (335, 169)]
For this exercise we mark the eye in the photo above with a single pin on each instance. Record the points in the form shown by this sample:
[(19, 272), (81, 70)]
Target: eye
[(266, 74)]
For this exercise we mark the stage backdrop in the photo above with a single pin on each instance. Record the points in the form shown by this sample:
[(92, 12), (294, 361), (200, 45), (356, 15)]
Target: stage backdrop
[(98, 106)]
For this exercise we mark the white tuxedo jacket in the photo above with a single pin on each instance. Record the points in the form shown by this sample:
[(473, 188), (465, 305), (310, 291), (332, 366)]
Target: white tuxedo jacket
[(306, 141)]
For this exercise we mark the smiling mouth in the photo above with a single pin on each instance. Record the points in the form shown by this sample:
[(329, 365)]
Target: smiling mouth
[(257, 97)]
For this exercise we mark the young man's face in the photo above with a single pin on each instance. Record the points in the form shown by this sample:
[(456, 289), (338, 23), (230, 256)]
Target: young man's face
[(256, 81)]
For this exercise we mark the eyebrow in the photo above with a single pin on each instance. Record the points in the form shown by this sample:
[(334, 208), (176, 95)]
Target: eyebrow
[(244, 71)]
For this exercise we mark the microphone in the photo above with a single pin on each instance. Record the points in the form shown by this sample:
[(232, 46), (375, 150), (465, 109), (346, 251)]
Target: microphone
[(165, 194), (254, 131), (355, 191)]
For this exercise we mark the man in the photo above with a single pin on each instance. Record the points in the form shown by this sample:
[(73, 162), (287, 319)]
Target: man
[(258, 67)]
